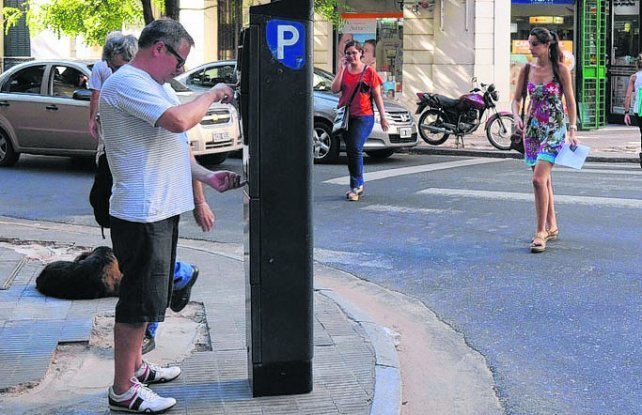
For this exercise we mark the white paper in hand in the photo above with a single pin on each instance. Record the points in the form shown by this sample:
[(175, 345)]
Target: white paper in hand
[(572, 158)]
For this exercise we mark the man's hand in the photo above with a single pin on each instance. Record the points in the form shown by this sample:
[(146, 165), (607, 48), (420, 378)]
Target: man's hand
[(93, 128), (204, 216), (223, 180), (224, 93)]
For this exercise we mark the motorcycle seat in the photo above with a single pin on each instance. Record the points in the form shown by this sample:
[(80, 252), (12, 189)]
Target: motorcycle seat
[(442, 101)]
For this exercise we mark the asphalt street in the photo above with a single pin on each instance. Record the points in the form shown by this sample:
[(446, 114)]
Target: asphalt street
[(561, 330)]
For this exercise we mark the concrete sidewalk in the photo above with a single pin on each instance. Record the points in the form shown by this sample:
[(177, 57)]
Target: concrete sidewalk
[(52, 360), (613, 143)]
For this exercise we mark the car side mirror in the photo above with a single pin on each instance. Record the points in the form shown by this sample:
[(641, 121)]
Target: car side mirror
[(82, 94)]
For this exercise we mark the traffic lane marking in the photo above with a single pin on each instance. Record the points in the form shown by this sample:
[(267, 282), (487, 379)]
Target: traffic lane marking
[(520, 197), (385, 174)]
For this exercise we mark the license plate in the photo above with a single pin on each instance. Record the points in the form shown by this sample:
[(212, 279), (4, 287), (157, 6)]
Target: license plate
[(405, 132), (218, 137)]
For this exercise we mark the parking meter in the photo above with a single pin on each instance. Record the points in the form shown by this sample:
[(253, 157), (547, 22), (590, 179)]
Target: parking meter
[(275, 64)]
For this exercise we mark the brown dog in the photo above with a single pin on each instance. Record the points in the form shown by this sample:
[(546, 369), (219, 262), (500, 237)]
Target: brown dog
[(92, 274)]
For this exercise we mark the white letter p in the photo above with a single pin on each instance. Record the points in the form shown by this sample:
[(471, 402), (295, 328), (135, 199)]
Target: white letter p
[(281, 41)]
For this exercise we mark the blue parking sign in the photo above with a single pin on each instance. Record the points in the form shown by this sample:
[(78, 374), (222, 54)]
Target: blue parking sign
[(286, 40)]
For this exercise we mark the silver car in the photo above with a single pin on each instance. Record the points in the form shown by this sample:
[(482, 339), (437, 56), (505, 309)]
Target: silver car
[(44, 109), (326, 146)]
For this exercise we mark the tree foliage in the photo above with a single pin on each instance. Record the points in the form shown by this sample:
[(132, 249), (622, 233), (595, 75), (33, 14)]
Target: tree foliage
[(92, 20), (329, 9)]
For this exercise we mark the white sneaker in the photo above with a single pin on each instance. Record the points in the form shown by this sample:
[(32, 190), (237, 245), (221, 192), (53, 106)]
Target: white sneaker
[(151, 373), (139, 399)]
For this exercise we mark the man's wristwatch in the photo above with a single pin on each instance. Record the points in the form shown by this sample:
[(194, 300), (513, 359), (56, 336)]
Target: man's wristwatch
[(572, 127)]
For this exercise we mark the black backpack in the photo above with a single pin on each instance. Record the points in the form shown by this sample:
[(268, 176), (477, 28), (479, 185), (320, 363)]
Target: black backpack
[(101, 192)]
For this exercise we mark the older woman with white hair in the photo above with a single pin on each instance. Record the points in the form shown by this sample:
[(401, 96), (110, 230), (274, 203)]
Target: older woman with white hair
[(117, 51)]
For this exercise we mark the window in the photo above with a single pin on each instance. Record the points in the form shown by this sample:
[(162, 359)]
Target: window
[(212, 76), (26, 81), (66, 80)]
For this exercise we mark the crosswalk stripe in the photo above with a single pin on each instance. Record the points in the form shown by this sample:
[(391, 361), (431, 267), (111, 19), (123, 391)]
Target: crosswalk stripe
[(402, 209), (511, 196), (622, 172), (384, 174)]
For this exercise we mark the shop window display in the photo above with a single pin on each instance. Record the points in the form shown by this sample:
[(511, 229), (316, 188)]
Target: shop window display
[(625, 35), (557, 17), (382, 40)]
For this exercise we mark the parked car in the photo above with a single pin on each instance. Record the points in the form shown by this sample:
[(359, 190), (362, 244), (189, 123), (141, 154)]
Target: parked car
[(326, 146), (44, 109)]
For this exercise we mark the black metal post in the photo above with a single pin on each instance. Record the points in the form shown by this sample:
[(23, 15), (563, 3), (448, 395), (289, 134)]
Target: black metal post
[(276, 106)]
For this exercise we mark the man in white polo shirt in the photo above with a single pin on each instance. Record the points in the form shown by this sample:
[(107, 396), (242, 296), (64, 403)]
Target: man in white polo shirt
[(144, 128)]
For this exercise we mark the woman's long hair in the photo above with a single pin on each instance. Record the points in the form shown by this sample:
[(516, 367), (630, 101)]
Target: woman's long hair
[(543, 35)]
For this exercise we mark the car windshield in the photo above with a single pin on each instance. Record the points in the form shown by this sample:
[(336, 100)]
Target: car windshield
[(322, 80)]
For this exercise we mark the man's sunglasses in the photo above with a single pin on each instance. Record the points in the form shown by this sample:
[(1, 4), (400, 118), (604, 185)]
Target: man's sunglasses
[(180, 62)]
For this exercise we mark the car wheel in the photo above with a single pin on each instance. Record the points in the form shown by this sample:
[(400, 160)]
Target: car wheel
[(380, 154), (213, 159), (8, 156), (325, 145)]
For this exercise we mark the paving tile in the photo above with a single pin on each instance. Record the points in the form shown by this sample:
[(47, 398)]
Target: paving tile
[(76, 330), (212, 382)]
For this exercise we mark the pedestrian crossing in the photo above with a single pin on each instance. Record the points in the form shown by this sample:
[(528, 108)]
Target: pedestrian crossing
[(521, 197), (423, 168)]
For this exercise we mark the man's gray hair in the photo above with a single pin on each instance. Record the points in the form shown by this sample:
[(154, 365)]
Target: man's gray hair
[(119, 44), (165, 30)]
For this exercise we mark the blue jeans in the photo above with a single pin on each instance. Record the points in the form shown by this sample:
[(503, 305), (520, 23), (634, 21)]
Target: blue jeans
[(359, 128), (182, 274)]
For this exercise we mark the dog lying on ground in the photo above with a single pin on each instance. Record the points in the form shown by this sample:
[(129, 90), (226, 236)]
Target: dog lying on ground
[(92, 274)]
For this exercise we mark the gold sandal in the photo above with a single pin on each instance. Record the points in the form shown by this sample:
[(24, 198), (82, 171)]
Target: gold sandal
[(352, 196), (539, 242), (552, 234)]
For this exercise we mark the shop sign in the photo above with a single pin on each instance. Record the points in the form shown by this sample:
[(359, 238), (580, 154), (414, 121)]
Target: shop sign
[(522, 47), (544, 2), (546, 20), (360, 26)]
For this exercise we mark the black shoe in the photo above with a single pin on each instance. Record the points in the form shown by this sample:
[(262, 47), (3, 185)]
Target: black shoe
[(180, 298), (640, 160), (149, 344)]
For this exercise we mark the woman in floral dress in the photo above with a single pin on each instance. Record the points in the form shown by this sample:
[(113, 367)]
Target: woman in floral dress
[(546, 131)]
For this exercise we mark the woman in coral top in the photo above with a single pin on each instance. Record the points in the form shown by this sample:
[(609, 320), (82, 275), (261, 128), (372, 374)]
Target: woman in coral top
[(361, 119)]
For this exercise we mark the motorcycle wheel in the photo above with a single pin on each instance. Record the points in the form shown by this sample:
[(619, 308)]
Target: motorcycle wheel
[(499, 131), (427, 118)]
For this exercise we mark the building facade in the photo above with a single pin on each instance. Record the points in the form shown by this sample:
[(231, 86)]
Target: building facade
[(445, 46), (442, 46)]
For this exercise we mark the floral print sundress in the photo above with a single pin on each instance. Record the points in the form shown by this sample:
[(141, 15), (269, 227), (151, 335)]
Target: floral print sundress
[(546, 126)]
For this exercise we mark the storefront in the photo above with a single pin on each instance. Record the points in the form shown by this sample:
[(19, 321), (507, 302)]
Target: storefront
[(555, 15), (381, 34), (625, 35), (600, 48)]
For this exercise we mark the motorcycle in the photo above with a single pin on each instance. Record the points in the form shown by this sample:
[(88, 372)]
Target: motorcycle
[(442, 116)]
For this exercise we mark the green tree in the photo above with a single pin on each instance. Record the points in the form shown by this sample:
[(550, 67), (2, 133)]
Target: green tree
[(92, 20)]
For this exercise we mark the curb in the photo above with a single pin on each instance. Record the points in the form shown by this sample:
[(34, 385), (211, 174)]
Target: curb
[(597, 157), (386, 397), (387, 385)]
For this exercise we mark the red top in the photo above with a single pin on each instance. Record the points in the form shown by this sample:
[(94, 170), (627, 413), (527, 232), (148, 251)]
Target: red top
[(362, 102)]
